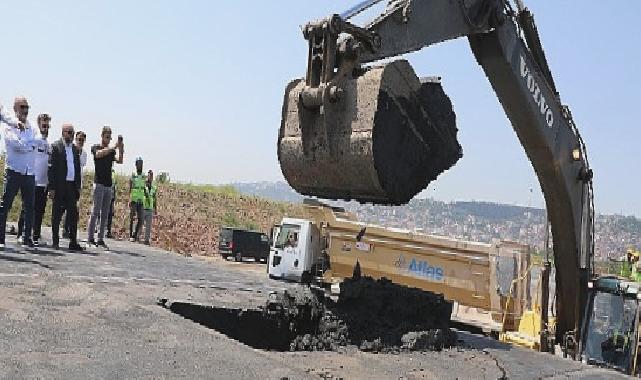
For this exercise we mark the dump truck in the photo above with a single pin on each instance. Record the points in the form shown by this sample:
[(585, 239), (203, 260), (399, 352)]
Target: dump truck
[(489, 283), (363, 126)]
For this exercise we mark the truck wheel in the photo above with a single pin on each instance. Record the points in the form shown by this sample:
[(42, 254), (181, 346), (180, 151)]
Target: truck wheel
[(238, 257)]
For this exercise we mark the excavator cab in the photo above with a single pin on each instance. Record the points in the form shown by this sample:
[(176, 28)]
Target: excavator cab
[(610, 336)]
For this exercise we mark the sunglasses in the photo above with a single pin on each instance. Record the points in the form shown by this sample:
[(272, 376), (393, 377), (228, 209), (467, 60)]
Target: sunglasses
[(71, 131), (23, 107)]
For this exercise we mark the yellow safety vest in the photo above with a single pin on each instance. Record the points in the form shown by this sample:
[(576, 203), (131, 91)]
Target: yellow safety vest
[(138, 187), (150, 197), (626, 270), (636, 273)]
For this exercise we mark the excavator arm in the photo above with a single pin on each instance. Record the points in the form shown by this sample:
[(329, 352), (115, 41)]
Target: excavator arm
[(378, 134)]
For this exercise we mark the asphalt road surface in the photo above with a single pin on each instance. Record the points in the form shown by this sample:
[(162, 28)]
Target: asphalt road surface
[(94, 315)]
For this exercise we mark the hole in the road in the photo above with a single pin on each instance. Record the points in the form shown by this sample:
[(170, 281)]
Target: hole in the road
[(376, 316), (249, 327)]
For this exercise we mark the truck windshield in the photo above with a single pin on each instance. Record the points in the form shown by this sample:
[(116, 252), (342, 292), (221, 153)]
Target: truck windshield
[(611, 331), (287, 236)]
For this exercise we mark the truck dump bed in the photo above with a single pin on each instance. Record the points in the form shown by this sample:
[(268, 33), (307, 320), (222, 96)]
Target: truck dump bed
[(472, 274)]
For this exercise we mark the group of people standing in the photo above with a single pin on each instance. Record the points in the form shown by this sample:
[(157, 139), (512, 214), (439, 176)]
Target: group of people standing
[(37, 168)]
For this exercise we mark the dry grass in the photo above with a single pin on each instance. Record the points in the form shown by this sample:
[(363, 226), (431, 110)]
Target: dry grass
[(189, 218)]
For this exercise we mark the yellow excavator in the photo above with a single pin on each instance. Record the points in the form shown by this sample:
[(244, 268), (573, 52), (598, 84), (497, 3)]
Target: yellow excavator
[(363, 127)]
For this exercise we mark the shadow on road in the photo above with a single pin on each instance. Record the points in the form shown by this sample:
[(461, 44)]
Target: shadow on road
[(46, 252), (480, 342), (21, 260), (121, 252)]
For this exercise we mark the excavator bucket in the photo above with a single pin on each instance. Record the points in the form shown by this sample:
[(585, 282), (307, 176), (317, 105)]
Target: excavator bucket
[(383, 137)]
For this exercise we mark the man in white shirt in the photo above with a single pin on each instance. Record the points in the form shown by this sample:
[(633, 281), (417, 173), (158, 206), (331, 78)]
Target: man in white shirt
[(41, 168), (20, 148), (81, 137)]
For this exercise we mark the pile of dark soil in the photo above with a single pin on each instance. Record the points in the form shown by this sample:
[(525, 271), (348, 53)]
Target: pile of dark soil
[(380, 316), (381, 311)]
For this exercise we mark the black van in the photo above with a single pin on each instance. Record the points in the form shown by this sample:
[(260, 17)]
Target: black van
[(242, 243)]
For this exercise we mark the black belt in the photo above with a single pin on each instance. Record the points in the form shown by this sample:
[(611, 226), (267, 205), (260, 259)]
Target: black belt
[(17, 172)]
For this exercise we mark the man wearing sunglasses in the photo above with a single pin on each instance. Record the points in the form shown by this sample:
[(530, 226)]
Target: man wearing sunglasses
[(104, 156), (64, 186), (81, 137), (41, 168), (19, 170)]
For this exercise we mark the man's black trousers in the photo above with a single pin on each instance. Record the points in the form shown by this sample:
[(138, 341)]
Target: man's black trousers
[(65, 199), (39, 206)]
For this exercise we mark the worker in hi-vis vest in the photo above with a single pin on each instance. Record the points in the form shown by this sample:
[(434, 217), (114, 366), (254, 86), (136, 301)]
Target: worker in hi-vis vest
[(631, 267), (136, 199), (149, 204)]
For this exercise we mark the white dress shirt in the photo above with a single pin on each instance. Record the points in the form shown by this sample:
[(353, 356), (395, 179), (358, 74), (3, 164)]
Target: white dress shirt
[(20, 148), (41, 166), (83, 163), (71, 173), (83, 159)]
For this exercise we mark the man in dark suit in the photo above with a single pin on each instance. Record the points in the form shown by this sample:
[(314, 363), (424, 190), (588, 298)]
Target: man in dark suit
[(64, 186)]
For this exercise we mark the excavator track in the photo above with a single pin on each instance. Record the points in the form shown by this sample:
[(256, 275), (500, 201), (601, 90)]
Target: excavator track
[(383, 141)]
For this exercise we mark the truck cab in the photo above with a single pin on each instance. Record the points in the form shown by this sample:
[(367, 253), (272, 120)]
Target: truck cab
[(295, 250), (610, 333)]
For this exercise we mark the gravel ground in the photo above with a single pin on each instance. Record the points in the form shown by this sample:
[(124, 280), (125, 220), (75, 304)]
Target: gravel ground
[(95, 315)]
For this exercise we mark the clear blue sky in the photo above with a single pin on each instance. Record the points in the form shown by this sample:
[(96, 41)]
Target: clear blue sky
[(196, 87)]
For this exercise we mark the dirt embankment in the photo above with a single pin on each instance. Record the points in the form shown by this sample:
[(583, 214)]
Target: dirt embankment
[(189, 217)]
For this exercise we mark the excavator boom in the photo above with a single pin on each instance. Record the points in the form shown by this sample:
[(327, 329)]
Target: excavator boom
[(378, 133)]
